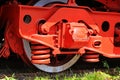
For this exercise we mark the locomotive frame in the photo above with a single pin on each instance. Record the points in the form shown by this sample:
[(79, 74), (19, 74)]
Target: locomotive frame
[(54, 35)]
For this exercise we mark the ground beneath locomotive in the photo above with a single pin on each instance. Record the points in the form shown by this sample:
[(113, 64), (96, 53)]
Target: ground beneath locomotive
[(14, 65)]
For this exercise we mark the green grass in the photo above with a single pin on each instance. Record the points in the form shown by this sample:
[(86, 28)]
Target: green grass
[(9, 78), (106, 65), (95, 75), (99, 76)]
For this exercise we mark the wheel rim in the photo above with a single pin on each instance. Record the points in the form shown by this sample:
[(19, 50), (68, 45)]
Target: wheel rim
[(50, 68), (45, 2), (58, 65)]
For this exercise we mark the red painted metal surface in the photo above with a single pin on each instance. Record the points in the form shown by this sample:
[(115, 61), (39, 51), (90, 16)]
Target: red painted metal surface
[(40, 53), (54, 30), (111, 4)]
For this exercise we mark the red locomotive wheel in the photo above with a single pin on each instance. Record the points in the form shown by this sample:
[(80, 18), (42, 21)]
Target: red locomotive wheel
[(58, 63)]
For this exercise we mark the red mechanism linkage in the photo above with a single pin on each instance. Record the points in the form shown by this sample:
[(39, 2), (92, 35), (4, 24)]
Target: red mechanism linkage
[(59, 28)]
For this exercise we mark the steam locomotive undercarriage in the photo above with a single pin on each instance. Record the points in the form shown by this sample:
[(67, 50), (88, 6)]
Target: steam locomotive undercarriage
[(53, 34)]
